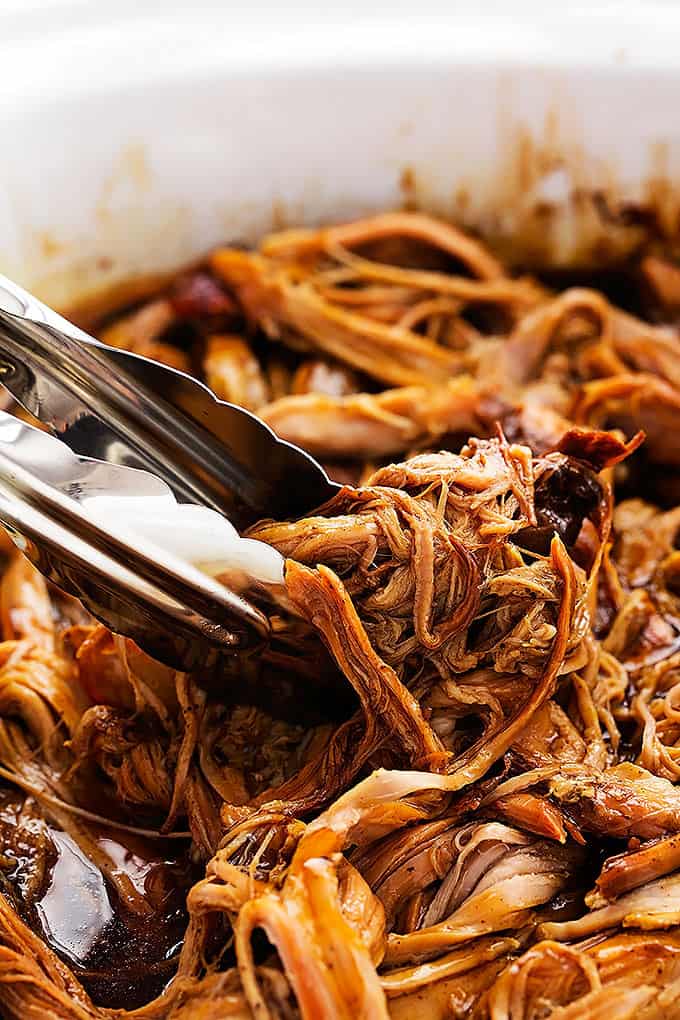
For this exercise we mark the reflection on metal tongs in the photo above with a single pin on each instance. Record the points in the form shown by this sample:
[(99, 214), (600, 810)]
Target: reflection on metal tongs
[(116, 411)]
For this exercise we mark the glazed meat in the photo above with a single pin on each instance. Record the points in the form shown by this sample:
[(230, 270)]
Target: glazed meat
[(447, 785)]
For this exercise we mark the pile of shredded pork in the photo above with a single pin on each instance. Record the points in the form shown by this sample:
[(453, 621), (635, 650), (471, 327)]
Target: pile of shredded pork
[(446, 788)]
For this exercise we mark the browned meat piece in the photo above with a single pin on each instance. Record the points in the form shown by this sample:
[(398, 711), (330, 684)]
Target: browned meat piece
[(272, 297), (630, 870), (597, 448), (645, 537), (431, 988), (321, 596), (499, 875), (363, 312), (633, 959), (647, 349), (654, 905), (534, 814), (442, 883), (473, 482), (135, 758), (542, 983), (550, 737), (25, 606), (642, 632), (624, 977), (481, 500), (634, 403), (324, 378), (663, 281), (623, 801), (575, 318), (598, 340), (140, 332), (367, 425), (300, 244), (233, 373)]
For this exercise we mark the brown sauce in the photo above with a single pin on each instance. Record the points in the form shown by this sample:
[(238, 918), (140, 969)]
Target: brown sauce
[(123, 958)]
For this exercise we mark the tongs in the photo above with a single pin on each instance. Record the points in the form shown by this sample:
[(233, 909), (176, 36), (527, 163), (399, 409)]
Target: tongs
[(126, 425)]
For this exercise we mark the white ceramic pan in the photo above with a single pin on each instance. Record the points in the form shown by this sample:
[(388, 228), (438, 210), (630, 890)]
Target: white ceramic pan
[(134, 136)]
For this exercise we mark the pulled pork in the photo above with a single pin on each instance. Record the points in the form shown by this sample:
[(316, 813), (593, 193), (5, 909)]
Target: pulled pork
[(447, 786)]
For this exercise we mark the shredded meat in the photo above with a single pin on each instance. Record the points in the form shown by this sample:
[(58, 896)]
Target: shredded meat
[(447, 787)]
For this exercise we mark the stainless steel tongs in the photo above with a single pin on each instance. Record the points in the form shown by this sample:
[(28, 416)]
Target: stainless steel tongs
[(112, 411)]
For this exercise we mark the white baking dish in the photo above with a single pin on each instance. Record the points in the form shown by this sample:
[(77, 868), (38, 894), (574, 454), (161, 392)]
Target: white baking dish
[(134, 136)]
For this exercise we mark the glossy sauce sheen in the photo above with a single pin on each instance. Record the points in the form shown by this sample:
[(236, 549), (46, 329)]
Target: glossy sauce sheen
[(75, 911), (123, 959)]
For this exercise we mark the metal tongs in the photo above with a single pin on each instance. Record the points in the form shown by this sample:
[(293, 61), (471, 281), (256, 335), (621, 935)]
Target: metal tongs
[(127, 425)]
